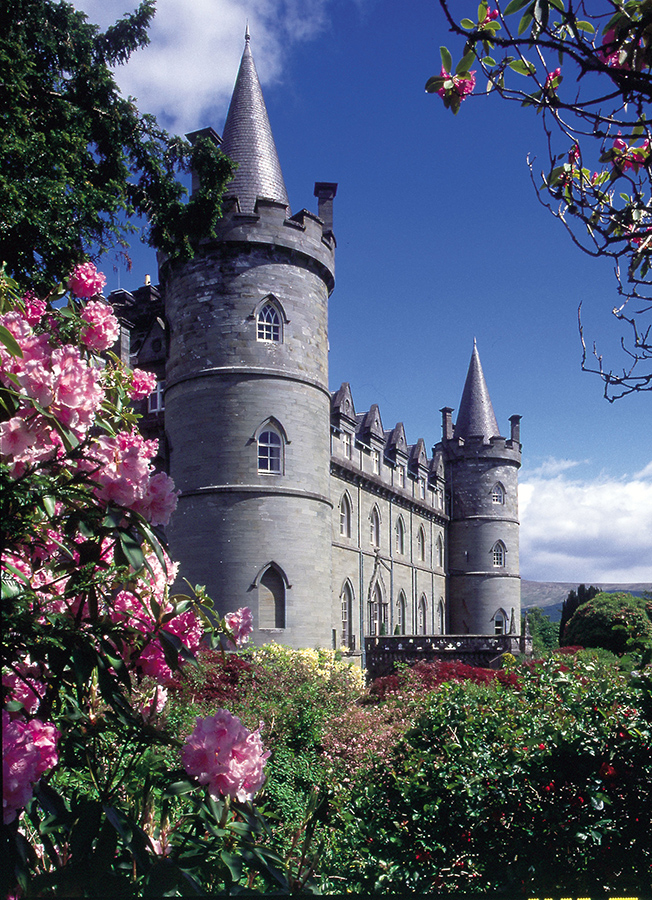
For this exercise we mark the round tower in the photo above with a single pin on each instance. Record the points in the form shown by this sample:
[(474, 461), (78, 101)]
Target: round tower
[(247, 406), (482, 484)]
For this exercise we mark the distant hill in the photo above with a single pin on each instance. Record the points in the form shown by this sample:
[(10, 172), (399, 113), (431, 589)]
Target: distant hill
[(550, 595)]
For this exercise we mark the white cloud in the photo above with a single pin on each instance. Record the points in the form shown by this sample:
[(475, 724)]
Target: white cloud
[(186, 75), (552, 466), (586, 531)]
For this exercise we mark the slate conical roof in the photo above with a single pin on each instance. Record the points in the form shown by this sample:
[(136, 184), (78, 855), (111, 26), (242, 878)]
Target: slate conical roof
[(476, 415), (248, 140)]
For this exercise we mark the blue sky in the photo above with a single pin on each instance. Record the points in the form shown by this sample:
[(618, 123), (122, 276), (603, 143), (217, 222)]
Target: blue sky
[(440, 240)]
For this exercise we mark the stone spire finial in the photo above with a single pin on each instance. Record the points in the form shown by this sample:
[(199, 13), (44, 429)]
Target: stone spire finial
[(476, 417), (248, 140)]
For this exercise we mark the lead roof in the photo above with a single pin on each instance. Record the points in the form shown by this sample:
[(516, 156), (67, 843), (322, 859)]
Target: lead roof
[(476, 417)]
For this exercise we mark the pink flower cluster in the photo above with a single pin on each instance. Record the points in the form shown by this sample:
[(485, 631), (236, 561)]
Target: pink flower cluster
[(25, 686), (461, 84), (142, 384), (627, 157), (490, 15), (28, 750), (552, 79), (222, 754), (121, 464), (103, 328), (86, 281), (240, 624)]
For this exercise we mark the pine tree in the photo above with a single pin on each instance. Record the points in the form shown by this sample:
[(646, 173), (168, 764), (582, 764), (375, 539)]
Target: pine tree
[(574, 600)]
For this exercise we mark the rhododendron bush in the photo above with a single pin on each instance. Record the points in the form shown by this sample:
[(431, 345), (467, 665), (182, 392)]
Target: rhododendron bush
[(586, 69), (97, 796)]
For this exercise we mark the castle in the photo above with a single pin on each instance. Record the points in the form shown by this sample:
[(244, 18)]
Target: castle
[(328, 525)]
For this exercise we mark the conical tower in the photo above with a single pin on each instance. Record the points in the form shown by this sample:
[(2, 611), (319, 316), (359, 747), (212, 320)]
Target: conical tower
[(247, 401), (482, 485)]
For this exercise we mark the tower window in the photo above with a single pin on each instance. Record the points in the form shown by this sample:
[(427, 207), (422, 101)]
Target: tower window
[(270, 453), (271, 599), (269, 324), (498, 551), (498, 493), (500, 622), (345, 517)]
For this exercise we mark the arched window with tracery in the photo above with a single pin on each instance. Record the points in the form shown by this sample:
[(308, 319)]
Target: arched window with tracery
[(498, 493), (270, 451), (400, 536), (269, 324), (374, 527), (345, 516), (498, 552), (377, 612), (500, 622)]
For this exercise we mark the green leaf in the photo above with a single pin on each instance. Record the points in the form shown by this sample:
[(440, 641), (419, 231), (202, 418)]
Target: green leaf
[(525, 23), (7, 338), (434, 84), (465, 63), (585, 26), (130, 550), (446, 59), (514, 6), (468, 24), (489, 61), (522, 67)]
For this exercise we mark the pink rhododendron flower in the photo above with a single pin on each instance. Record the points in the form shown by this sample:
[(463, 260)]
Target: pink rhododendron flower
[(25, 686), (222, 754), (28, 750), (103, 327), (462, 84), (34, 308), (142, 384), (86, 281), (159, 501), (241, 624), (78, 393), (15, 436)]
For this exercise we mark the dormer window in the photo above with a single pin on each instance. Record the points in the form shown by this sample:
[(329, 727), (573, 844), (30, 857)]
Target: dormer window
[(422, 488), (269, 324), (400, 476), (375, 462)]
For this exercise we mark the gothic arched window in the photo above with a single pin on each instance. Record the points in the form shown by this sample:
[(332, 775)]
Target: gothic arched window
[(400, 536), (374, 527), (441, 620), (439, 552), (270, 452), (500, 622), (498, 552), (401, 614), (271, 599), (377, 612), (345, 516), (421, 545), (498, 493), (269, 324), (423, 614), (346, 637)]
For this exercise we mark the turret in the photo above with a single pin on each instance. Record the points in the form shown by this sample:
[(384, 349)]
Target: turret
[(247, 400), (482, 485)]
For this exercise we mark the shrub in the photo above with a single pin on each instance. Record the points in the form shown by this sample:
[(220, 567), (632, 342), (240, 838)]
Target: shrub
[(617, 622)]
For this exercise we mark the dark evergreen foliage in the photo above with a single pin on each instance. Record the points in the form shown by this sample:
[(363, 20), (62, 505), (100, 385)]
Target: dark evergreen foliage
[(77, 158), (571, 603)]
